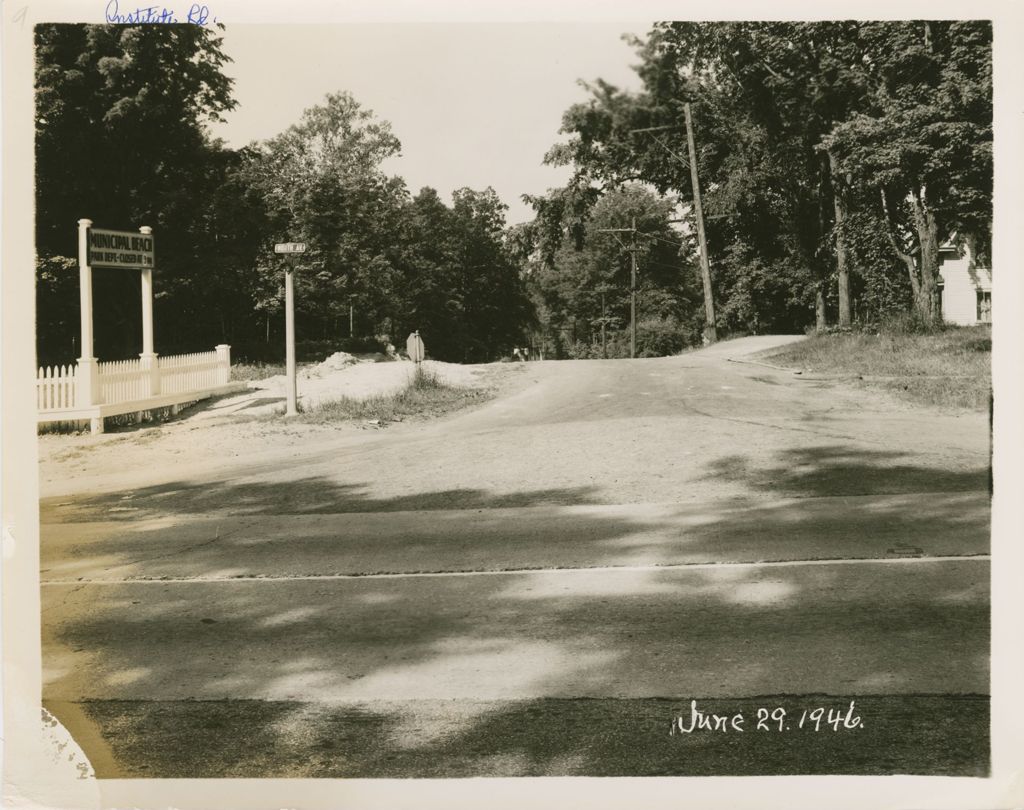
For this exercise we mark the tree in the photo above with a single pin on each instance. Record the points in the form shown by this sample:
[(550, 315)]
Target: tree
[(761, 185), (584, 282), (494, 308), (121, 115), (798, 122), (925, 143), (402, 263), (320, 182), (121, 139), (786, 84)]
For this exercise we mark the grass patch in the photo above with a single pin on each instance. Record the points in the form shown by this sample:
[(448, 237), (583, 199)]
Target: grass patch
[(951, 368), (425, 395)]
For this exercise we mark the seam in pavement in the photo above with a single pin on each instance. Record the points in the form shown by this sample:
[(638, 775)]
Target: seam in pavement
[(519, 571), (793, 428), (67, 596), (790, 369), (178, 552), (876, 442)]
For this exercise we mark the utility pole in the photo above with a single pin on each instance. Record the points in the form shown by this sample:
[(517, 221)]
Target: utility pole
[(632, 294), (632, 281), (710, 334), (604, 321)]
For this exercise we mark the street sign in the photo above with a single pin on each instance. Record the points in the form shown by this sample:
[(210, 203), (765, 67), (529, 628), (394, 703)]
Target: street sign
[(120, 249), (414, 347), (290, 247)]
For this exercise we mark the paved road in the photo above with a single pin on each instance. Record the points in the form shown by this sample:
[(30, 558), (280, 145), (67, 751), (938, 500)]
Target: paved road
[(638, 530)]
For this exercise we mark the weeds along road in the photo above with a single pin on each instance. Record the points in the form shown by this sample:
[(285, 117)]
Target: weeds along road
[(537, 586)]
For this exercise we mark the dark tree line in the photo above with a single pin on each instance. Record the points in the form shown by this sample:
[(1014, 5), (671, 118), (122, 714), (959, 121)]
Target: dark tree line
[(579, 253), (122, 139), (835, 157)]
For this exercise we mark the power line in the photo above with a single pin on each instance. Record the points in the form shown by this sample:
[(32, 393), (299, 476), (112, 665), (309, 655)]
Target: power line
[(662, 264), (663, 239)]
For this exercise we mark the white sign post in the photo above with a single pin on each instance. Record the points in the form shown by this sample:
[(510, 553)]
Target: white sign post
[(414, 347), (290, 250), (98, 247)]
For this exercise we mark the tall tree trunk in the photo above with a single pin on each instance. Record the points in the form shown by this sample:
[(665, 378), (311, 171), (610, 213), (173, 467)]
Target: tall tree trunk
[(928, 262), (821, 267), (906, 258), (842, 262), (820, 322)]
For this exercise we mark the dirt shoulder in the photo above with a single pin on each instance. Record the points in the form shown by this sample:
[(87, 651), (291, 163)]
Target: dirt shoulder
[(950, 369), (247, 425)]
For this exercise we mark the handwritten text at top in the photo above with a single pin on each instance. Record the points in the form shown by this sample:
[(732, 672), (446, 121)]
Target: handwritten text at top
[(197, 15)]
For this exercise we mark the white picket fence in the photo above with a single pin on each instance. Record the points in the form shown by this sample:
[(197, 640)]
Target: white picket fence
[(189, 372), (55, 388), (124, 386), (122, 381)]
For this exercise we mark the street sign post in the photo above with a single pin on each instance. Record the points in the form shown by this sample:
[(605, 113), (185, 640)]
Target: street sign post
[(100, 247), (291, 251), (414, 347)]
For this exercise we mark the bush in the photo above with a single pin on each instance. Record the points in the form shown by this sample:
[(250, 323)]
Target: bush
[(655, 337), (425, 395), (306, 351), (317, 350), (903, 323), (423, 380)]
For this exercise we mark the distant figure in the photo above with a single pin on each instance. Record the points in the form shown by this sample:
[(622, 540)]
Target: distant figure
[(526, 353), (516, 353)]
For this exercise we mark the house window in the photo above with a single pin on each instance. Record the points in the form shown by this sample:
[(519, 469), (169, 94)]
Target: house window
[(984, 306)]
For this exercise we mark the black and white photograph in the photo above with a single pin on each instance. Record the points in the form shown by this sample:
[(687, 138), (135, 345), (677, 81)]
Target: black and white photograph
[(457, 398)]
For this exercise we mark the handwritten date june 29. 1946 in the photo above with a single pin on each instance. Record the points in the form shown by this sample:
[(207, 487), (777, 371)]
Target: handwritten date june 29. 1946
[(775, 718)]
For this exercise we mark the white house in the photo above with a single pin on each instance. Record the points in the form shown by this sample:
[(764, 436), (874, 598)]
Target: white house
[(965, 290)]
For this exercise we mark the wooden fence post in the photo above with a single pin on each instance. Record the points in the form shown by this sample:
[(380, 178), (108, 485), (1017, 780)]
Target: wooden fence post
[(223, 363)]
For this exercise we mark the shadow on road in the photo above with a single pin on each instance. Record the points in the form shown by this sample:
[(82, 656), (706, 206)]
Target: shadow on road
[(802, 472), (346, 670), (843, 470), (309, 495), (910, 734)]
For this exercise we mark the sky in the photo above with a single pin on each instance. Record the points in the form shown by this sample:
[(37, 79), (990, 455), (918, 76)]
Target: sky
[(474, 104)]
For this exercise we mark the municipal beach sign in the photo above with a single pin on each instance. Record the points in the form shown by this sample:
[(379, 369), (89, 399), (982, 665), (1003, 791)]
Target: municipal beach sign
[(120, 249)]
